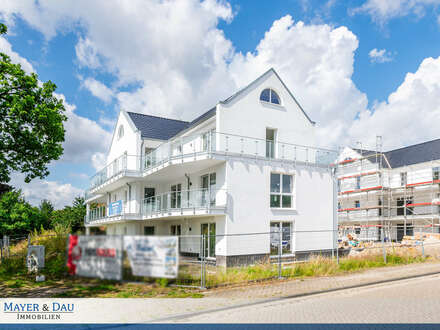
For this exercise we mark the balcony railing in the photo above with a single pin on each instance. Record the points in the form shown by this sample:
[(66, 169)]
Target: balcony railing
[(239, 145), (182, 200), (214, 142), (124, 163), (95, 214)]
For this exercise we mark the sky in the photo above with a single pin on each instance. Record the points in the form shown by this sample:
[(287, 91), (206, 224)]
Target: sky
[(359, 68)]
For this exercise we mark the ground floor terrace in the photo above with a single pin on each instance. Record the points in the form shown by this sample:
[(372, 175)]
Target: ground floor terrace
[(208, 237)]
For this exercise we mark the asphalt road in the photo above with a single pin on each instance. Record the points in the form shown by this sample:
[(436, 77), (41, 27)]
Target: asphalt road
[(408, 301)]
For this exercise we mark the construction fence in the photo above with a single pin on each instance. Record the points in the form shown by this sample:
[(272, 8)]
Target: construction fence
[(206, 261)]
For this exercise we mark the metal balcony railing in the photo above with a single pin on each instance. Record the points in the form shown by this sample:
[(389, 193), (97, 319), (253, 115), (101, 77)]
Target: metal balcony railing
[(238, 145), (124, 163), (214, 142), (185, 199)]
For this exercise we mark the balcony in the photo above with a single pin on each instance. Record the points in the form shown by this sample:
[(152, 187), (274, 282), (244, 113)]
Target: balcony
[(185, 203), (113, 212), (214, 144), (204, 150), (124, 166)]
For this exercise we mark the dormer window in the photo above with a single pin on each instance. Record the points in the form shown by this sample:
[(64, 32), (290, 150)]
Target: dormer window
[(269, 95), (120, 132)]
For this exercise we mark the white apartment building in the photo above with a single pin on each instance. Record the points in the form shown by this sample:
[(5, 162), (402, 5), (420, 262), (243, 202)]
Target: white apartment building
[(248, 165), (397, 190)]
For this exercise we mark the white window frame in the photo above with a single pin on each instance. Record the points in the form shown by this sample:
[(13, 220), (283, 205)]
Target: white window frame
[(121, 132), (281, 193)]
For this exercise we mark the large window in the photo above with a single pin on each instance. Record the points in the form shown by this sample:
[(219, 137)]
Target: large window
[(269, 95), (286, 237), (281, 190)]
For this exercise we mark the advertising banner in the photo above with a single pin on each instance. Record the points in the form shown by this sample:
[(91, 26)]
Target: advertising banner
[(153, 256), (115, 208), (95, 256)]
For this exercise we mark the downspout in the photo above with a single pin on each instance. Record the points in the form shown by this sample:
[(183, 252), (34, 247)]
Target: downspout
[(129, 197), (188, 182)]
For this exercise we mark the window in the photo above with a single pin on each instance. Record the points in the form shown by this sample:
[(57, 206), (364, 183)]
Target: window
[(281, 190), (209, 236), (120, 131), (358, 182), (208, 182), (339, 205), (176, 196), (357, 204), (269, 95), (436, 173), (270, 142), (149, 230), (357, 230), (286, 237), (380, 206), (403, 178)]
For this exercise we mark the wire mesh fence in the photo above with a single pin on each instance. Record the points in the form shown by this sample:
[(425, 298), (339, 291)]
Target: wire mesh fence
[(207, 261)]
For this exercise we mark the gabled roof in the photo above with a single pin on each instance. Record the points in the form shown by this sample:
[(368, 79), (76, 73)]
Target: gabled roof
[(164, 128), (417, 153), (152, 127), (271, 70)]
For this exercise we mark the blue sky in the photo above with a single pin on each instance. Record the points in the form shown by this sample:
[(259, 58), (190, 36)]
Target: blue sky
[(177, 59)]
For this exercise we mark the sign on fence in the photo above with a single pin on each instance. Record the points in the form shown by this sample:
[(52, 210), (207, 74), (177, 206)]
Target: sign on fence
[(153, 256), (95, 256), (35, 257)]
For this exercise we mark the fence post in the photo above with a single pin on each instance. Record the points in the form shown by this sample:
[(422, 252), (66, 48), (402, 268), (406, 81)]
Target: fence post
[(29, 240), (423, 250), (280, 246), (202, 262), (337, 251), (1, 250), (383, 246), (7, 246)]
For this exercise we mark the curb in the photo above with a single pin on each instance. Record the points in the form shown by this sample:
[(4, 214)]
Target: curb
[(299, 295)]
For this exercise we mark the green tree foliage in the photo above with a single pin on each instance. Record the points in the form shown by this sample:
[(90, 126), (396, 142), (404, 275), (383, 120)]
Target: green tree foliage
[(71, 216), (46, 210), (31, 122), (18, 217)]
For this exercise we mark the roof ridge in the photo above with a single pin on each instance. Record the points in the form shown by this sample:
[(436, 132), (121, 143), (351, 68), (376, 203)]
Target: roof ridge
[(143, 114), (413, 145)]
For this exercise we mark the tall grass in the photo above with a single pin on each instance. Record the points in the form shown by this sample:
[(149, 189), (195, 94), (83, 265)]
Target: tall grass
[(316, 266)]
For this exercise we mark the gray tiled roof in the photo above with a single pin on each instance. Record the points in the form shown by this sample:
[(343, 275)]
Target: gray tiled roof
[(417, 153), (159, 128)]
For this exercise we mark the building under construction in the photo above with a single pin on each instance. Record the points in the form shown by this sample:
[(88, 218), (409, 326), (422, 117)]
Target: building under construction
[(389, 195)]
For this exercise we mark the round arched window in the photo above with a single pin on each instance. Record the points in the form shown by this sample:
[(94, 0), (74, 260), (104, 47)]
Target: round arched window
[(269, 95), (120, 131)]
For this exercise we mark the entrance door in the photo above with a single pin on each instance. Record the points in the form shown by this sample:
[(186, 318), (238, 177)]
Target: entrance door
[(176, 230), (208, 232), (176, 196)]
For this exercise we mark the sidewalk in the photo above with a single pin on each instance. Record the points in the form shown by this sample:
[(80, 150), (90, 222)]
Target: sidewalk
[(248, 294)]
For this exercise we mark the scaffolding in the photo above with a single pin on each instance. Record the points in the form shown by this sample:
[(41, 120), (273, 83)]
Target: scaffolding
[(375, 200)]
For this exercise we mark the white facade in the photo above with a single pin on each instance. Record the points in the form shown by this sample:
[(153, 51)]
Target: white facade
[(372, 194), (214, 177)]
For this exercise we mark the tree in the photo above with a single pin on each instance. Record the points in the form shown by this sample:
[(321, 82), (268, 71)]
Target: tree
[(31, 122), (71, 216), (46, 210), (17, 217)]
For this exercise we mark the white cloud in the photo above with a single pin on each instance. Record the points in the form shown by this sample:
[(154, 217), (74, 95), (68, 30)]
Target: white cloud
[(408, 115), (5, 47), (98, 89), (83, 138), (384, 10), (58, 193), (185, 66), (380, 56)]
